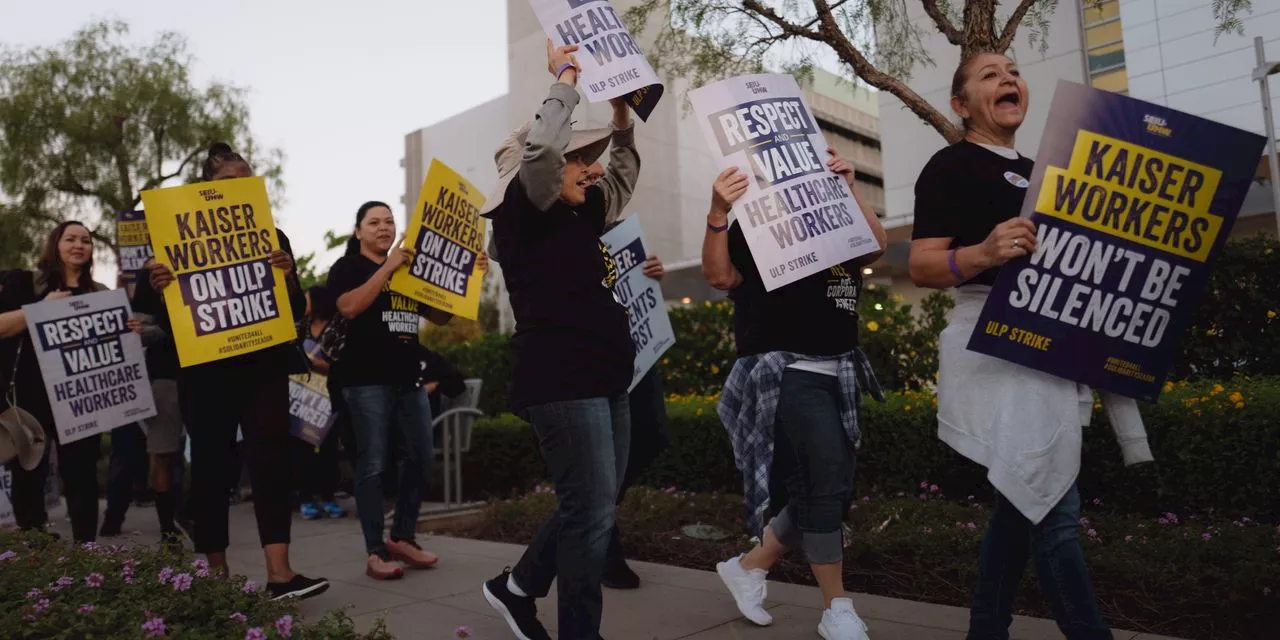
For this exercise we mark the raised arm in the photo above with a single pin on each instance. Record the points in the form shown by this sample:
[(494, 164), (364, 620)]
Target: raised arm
[(620, 177), (542, 168), (12, 323), (842, 167), (717, 267)]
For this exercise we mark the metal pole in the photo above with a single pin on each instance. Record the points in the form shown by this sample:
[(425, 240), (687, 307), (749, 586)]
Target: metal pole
[(1270, 119)]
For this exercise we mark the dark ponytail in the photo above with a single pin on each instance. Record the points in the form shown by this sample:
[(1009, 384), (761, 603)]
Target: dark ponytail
[(220, 153), (353, 243)]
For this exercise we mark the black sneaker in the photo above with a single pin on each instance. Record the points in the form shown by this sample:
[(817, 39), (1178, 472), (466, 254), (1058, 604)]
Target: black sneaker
[(520, 613), (300, 587), (617, 575), (111, 527)]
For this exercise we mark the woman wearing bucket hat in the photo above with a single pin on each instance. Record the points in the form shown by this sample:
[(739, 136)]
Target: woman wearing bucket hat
[(65, 269), (572, 347)]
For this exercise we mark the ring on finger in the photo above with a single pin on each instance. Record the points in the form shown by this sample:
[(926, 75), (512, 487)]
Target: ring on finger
[(1017, 243)]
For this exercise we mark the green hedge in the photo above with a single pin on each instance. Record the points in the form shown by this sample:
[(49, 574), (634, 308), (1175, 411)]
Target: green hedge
[(1217, 448)]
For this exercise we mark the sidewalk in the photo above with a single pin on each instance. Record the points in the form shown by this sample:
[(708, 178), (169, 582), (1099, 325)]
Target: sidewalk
[(672, 604)]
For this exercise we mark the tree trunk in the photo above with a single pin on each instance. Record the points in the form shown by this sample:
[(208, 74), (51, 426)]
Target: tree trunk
[(979, 27)]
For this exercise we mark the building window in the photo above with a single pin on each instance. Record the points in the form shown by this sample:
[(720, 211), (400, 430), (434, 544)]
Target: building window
[(1104, 45)]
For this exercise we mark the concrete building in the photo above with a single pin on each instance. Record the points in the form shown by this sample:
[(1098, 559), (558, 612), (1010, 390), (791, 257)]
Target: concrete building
[(1163, 51), (676, 169)]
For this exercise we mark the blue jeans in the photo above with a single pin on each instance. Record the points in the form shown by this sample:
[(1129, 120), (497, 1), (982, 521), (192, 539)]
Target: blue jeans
[(585, 444), (814, 461), (1054, 543), (374, 410)]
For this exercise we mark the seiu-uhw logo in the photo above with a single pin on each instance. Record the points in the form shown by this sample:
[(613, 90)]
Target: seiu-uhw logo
[(210, 195), (1157, 125), (79, 305)]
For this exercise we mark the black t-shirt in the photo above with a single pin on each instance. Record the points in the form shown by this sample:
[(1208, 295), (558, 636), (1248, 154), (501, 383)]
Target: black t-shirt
[(18, 290), (964, 192), (572, 338), (815, 316), (382, 343)]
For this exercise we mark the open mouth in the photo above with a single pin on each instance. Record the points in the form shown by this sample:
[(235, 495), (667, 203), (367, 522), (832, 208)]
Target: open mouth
[(1012, 98)]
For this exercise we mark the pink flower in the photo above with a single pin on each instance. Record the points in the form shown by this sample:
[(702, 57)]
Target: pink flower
[(42, 605), (154, 627), (1092, 533), (94, 580), (924, 497), (1266, 591), (239, 617), (462, 632), (1128, 538), (166, 574), (85, 608), (970, 526), (933, 488), (28, 618), (284, 626), (8, 555), (255, 633), (1084, 522), (34, 594), (924, 485), (249, 586), (669, 490), (182, 582), (1206, 536), (1097, 502), (866, 499)]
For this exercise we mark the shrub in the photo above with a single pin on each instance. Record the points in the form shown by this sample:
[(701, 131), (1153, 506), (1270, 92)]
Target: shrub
[(1188, 576), (1217, 448), (54, 589), (1229, 331)]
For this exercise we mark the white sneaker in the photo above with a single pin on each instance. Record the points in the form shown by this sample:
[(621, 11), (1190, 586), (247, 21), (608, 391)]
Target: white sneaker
[(841, 622), (748, 589)]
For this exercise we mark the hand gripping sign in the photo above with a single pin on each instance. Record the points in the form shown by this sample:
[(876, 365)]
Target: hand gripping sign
[(1131, 206), (217, 238), (798, 216), (612, 64)]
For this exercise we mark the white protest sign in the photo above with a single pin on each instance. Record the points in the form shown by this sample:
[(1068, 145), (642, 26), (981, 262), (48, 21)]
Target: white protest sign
[(92, 364), (52, 492), (650, 325), (799, 217), (611, 61)]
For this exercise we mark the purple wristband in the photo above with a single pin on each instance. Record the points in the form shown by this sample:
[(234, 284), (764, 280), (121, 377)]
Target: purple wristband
[(716, 229), (955, 268), (564, 67)]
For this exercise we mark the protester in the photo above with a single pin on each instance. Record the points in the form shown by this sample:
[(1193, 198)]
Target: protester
[(572, 347), (65, 269), (1022, 424), (249, 392), (128, 461), (318, 466), (796, 385), (378, 372), (648, 414)]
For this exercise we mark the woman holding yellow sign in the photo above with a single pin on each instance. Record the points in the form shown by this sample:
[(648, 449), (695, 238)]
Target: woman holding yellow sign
[(378, 373), (249, 391)]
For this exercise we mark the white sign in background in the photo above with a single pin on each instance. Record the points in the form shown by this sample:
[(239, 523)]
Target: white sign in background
[(650, 325), (611, 62), (52, 492), (799, 217), (93, 365)]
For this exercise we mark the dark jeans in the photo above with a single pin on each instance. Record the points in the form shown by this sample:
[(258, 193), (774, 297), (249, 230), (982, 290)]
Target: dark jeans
[(318, 467), (649, 438), (814, 462), (78, 468), (1011, 539), (374, 410), (215, 403), (585, 444), (128, 464)]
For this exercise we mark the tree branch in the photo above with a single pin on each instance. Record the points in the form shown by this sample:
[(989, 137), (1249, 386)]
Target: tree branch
[(49, 217), (787, 27), (940, 19), (156, 181), (831, 34), (1011, 27)]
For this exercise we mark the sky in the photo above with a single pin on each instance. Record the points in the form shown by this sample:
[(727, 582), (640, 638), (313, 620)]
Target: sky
[(336, 85)]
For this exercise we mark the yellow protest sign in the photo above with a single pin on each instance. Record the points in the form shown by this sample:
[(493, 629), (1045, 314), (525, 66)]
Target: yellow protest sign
[(446, 234), (227, 299)]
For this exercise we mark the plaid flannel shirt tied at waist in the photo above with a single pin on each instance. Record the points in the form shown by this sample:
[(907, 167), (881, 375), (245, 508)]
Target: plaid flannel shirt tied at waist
[(750, 401)]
